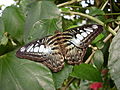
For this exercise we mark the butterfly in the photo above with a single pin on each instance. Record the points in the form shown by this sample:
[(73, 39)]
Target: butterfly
[(54, 50)]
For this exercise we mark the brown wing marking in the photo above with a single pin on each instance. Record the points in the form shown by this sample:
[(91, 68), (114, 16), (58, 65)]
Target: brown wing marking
[(75, 55), (55, 62)]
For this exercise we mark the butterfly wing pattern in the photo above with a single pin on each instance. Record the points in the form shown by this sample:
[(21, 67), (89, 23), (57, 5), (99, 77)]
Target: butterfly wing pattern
[(70, 45)]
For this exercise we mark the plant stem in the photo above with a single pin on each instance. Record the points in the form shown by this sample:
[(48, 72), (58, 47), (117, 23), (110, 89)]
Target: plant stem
[(92, 18), (67, 3), (68, 84), (102, 8), (107, 14), (93, 52), (110, 35)]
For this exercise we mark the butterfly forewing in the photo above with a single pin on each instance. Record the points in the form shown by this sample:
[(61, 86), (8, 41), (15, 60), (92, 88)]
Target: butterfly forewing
[(70, 45), (40, 51), (82, 36), (34, 50)]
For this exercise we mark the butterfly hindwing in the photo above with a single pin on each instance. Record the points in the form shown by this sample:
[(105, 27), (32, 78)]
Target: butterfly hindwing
[(75, 55)]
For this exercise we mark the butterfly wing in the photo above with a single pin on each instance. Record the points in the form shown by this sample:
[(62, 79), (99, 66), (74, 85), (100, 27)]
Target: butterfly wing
[(81, 38), (70, 45), (40, 51), (75, 55)]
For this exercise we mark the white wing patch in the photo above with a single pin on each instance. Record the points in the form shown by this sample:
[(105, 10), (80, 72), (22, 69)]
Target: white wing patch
[(44, 50), (29, 48), (78, 29), (41, 49), (76, 41), (94, 26), (81, 31), (36, 49), (47, 50), (87, 32), (22, 49), (79, 36), (88, 29), (84, 34)]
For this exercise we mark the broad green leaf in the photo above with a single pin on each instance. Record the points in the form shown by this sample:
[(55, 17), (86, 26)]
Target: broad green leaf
[(43, 10), (96, 11), (87, 72), (2, 28), (14, 22), (118, 18), (59, 77), (99, 37), (100, 44), (98, 59), (109, 21), (114, 60), (4, 40), (43, 28), (22, 74), (84, 85), (25, 3)]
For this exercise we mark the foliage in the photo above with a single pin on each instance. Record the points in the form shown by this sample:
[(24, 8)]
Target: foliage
[(29, 20)]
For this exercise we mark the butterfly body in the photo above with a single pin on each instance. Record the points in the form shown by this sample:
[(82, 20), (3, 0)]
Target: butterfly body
[(70, 45)]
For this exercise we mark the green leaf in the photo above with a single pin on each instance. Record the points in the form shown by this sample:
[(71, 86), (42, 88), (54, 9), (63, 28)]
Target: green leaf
[(14, 22), (100, 44), (73, 26), (25, 3), (99, 37), (118, 18), (114, 60), (115, 6), (43, 10), (22, 74), (98, 59), (96, 11), (86, 71), (65, 9), (2, 28), (109, 21), (42, 28), (4, 40), (59, 77)]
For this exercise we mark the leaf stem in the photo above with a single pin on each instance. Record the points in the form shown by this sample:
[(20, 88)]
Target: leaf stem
[(67, 3), (102, 8), (110, 35), (68, 84), (93, 52)]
